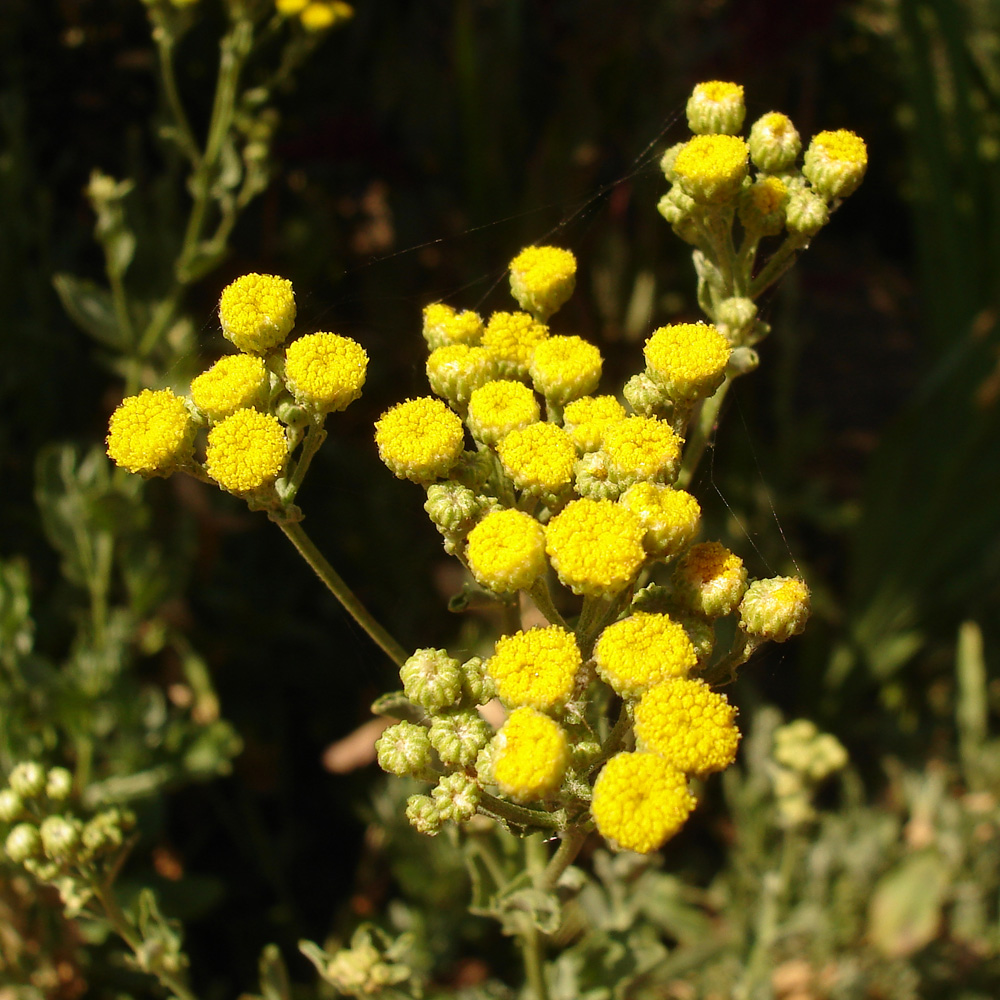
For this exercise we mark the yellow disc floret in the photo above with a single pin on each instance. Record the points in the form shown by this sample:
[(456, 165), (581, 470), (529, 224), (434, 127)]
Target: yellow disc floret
[(641, 448), (151, 433), (506, 551), (640, 800), (716, 106), (535, 668), (530, 754), (513, 337), (420, 439), (443, 325), (835, 163), (586, 419), (500, 407), (325, 370), (689, 724), (539, 458), (640, 651), (455, 371), (595, 546), (542, 279), (257, 312), (565, 368), (670, 517), (711, 168), (246, 451), (236, 382), (710, 579), (687, 360)]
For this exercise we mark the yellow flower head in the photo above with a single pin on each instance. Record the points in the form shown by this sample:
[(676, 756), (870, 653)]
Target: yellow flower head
[(585, 420), (151, 433), (497, 408), (246, 451), (290, 7), (443, 326), (689, 724), (325, 370), (835, 163), (775, 609), (257, 312), (535, 668), (542, 279), (513, 337), (565, 368), (236, 382), (711, 168), (538, 458), (687, 360), (716, 106), (420, 439), (774, 142), (671, 517), (530, 754), (640, 800), (506, 551), (455, 371), (318, 16), (710, 579), (641, 448), (595, 546), (762, 207), (634, 654)]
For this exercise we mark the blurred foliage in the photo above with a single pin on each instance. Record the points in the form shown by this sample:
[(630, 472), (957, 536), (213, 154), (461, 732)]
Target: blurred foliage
[(424, 145)]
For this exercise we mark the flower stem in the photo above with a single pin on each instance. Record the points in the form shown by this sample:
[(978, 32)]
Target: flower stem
[(322, 568), (530, 939), (698, 441), (569, 848)]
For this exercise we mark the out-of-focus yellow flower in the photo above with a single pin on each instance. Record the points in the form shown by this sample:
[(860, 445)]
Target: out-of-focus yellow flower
[(420, 439), (257, 312), (151, 434), (774, 142), (530, 754), (640, 800), (246, 451), (535, 668), (638, 652)]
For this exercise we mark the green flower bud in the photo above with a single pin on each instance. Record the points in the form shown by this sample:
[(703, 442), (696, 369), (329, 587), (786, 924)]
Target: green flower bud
[(11, 805), (459, 736), (702, 636), (734, 317), (835, 163), (104, 832), (60, 837), (762, 207), (667, 161), (801, 748), (452, 507), (27, 779), (477, 685), (743, 360), (404, 749), (775, 609), (58, 784), (774, 143), (594, 478), (457, 797), (23, 843), (644, 396), (716, 107), (806, 213), (583, 754), (432, 679), (676, 206), (424, 815), (473, 469)]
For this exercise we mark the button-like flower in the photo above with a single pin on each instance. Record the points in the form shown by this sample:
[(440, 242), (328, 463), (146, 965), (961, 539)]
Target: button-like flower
[(687, 360), (535, 668), (716, 106), (404, 749), (257, 312), (670, 517), (710, 579), (774, 142), (325, 371), (542, 279), (432, 679), (640, 800), (235, 382), (565, 368), (711, 168), (642, 448), (455, 371), (151, 433), (595, 546), (420, 439), (775, 609), (506, 551), (539, 459), (689, 724), (643, 650), (586, 419), (458, 736), (500, 407), (513, 337), (246, 451), (835, 163), (443, 325), (530, 754)]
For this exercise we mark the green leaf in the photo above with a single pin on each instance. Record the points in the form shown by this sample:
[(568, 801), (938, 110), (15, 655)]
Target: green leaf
[(906, 906), (91, 308)]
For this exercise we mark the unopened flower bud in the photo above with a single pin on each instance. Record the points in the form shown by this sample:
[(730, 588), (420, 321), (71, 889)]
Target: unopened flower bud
[(60, 837), (644, 396), (453, 508), (58, 784), (455, 371), (716, 106), (734, 316), (23, 843), (11, 805), (477, 685), (404, 750), (806, 213), (459, 736), (774, 142), (762, 207), (432, 679), (835, 163), (775, 609), (105, 832), (710, 579), (27, 779), (742, 361), (456, 797), (594, 478), (667, 161), (424, 815), (676, 206)]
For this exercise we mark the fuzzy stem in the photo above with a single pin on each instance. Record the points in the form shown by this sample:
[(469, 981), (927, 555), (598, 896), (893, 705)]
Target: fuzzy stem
[(699, 440), (569, 848), (542, 597)]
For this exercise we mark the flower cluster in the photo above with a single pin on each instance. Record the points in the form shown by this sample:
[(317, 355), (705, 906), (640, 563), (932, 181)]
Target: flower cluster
[(315, 15), (255, 407)]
